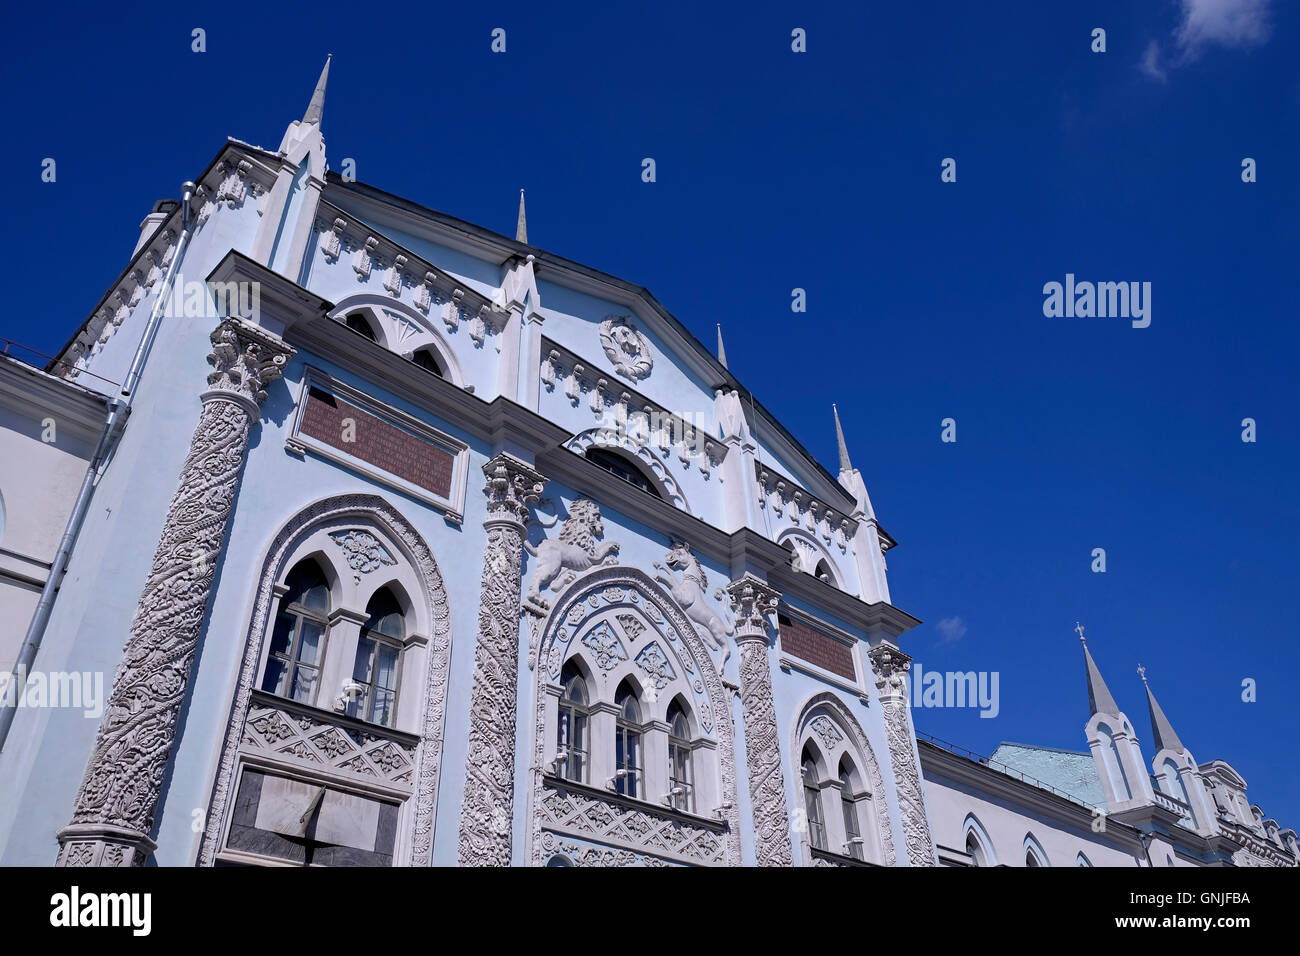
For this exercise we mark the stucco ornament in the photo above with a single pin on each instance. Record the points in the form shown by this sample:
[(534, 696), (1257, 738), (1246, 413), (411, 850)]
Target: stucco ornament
[(891, 666), (752, 601), (574, 549), (626, 346), (114, 808), (512, 487), (689, 591), (362, 550)]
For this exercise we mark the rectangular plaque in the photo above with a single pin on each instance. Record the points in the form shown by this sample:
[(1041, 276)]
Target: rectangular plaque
[(332, 421), (808, 644)]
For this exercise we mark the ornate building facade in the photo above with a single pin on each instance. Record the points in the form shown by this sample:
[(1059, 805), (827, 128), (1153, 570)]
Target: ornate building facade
[(415, 544)]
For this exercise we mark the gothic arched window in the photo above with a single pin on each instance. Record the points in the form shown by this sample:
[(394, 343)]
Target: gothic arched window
[(849, 806), (374, 672), (627, 743), (681, 791), (812, 801), (298, 639), (571, 730)]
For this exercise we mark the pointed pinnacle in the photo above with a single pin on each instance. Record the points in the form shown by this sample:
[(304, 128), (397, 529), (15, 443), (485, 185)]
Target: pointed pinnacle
[(722, 352), (316, 108), (845, 464), (521, 228)]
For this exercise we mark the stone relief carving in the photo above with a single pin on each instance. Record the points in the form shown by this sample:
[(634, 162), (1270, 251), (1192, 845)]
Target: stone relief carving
[(618, 591), (606, 647), (115, 805), (654, 663), (362, 550), (573, 550), (512, 487), (637, 830), (891, 666), (428, 759), (310, 739), (626, 347), (752, 601), (825, 728), (689, 590), (579, 854)]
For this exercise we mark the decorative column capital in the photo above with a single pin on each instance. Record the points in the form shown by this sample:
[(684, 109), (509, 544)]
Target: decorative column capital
[(891, 666), (752, 601), (246, 359), (512, 487)]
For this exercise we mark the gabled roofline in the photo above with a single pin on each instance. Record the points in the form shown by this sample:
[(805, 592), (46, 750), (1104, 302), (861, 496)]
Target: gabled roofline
[(506, 248)]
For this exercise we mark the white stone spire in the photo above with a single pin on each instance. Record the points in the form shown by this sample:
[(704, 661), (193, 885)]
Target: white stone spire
[(521, 227), (316, 108), (845, 463), (722, 352)]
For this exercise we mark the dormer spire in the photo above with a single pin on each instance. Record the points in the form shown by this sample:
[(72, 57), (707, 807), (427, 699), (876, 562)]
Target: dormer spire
[(1165, 738), (845, 464), (316, 108), (521, 227), (722, 352), (1100, 700)]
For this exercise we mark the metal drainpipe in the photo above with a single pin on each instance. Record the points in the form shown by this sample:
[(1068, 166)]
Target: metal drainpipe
[(119, 408)]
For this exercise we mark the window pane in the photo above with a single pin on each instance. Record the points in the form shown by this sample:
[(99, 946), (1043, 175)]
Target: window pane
[(282, 636), (386, 667), (276, 674), (309, 642), (364, 659), (385, 708), (304, 684), (317, 598)]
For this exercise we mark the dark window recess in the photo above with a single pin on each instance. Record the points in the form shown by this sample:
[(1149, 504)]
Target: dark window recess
[(425, 359), (357, 323), (622, 468)]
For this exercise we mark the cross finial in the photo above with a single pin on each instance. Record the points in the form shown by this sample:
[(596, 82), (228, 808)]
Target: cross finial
[(1079, 627), (1142, 672)]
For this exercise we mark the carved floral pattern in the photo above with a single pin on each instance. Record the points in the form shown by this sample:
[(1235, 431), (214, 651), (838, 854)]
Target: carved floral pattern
[(890, 666), (362, 550), (490, 759), (123, 781)]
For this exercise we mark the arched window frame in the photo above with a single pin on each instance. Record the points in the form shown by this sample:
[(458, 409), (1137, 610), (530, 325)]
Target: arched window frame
[(417, 582), (810, 775), (300, 617), (854, 841), (394, 322), (378, 633), (1035, 855), (629, 751), (827, 729), (656, 781), (681, 761), (573, 728), (973, 830)]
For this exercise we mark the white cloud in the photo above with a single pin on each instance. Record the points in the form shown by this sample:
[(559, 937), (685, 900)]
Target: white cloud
[(1240, 24), (952, 629), (1233, 24)]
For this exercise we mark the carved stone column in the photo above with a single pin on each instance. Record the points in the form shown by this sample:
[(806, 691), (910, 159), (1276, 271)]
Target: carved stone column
[(753, 600), (115, 805), (890, 666), (487, 815)]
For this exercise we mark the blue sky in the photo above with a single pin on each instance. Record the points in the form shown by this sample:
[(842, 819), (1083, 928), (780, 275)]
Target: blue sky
[(821, 171)]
